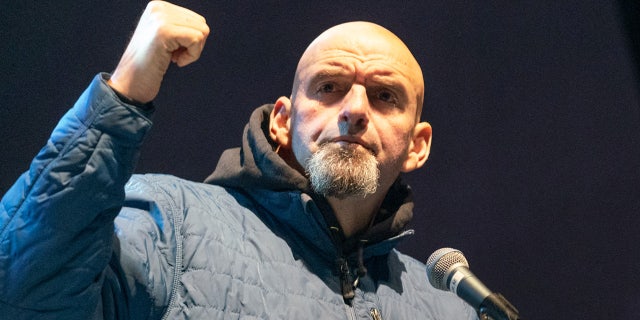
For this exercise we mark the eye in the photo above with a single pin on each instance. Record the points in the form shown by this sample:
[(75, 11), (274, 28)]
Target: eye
[(329, 92), (327, 88), (386, 97)]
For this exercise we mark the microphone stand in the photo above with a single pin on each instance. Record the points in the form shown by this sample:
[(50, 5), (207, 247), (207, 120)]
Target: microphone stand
[(496, 307)]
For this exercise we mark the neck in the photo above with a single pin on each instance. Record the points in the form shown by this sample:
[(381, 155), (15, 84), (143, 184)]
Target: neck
[(355, 214)]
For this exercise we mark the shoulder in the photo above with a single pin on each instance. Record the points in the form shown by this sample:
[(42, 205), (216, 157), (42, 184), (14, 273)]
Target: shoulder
[(162, 215), (178, 205), (139, 185)]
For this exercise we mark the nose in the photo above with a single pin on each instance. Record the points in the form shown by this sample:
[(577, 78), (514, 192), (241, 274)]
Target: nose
[(354, 116)]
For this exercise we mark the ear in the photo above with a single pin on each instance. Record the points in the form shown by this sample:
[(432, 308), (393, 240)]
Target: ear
[(419, 147), (279, 122)]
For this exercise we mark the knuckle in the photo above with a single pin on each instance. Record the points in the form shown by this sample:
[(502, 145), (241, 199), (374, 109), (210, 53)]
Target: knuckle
[(154, 6)]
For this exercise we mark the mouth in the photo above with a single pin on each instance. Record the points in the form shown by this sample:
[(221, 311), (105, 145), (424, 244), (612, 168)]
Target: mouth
[(354, 142)]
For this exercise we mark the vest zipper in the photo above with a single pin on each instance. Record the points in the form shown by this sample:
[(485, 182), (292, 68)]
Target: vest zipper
[(351, 312), (177, 217), (346, 281), (375, 314)]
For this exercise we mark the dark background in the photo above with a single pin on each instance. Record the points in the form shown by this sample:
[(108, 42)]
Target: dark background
[(534, 172)]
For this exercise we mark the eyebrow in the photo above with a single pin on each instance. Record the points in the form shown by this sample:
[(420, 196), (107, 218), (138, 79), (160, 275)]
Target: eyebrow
[(330, 70), (379, 76)]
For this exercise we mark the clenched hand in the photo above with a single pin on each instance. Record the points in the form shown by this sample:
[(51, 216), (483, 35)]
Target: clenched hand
[(165, 33)]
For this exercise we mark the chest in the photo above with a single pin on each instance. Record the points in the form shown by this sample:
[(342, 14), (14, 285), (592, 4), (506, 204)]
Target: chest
[(236, 265)]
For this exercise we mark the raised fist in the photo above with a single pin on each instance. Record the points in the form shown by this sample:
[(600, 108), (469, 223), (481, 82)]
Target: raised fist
[(165, 33)]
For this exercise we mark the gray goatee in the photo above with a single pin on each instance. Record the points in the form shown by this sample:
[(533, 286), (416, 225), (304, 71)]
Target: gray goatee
[(343, 171)]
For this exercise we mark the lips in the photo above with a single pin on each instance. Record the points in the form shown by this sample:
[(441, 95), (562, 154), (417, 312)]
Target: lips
[(343, 140)]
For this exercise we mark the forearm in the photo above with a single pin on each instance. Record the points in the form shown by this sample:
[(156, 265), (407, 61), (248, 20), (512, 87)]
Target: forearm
[(56, 222)]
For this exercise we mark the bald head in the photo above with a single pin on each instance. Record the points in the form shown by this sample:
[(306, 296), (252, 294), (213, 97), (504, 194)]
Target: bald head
[(357, 88), (364, 41)]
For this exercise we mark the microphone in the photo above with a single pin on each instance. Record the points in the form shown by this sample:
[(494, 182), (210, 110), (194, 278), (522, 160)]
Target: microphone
[(448, 269)]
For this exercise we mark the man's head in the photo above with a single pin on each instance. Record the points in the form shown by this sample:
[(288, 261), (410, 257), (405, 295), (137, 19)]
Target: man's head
[(352, 122)]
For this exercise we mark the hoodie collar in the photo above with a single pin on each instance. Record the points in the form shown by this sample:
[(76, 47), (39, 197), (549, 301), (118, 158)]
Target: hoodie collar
[(256, 165)]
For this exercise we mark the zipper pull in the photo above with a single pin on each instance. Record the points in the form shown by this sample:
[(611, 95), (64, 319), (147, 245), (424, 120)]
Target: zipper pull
[(375, 314), (346, 280)]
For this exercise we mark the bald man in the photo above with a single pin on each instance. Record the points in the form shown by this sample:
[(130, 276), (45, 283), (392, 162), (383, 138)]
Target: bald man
[(300, 222)]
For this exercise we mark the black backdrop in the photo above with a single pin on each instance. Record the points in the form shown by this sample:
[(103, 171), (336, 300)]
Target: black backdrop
[(534, 172)]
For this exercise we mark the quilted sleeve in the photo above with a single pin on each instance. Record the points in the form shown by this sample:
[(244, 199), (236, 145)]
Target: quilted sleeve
[(56, 221)]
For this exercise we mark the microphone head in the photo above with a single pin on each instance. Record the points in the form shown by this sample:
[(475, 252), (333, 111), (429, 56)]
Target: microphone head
[(440, 263)]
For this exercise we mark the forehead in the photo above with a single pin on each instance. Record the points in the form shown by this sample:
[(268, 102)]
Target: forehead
[(353, 63), (365, 45)]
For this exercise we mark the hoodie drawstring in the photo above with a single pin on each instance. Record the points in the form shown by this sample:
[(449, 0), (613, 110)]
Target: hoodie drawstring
[(348, 284), (362, 270)]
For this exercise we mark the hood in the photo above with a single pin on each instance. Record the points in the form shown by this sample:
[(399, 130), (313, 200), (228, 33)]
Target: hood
[(256, 165)]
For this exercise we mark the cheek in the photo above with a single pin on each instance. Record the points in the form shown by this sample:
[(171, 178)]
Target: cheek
[(299, 141), (394, 153), (303, 128), (306, 128), (395, 140), (312, 123)]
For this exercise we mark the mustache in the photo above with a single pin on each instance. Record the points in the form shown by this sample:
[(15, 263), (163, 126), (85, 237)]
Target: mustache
[(349, 142)]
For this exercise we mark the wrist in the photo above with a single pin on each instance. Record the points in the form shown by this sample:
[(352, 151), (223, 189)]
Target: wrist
[(128, 100)]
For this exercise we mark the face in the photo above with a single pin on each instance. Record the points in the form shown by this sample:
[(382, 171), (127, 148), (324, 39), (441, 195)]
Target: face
[(361, 94)]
